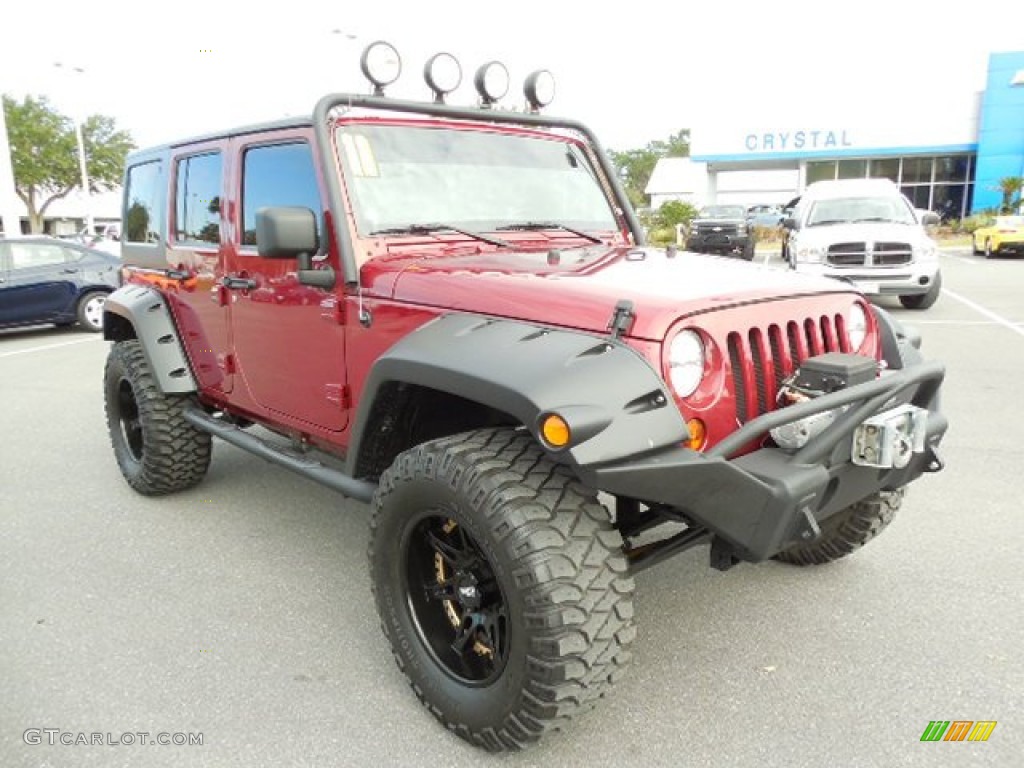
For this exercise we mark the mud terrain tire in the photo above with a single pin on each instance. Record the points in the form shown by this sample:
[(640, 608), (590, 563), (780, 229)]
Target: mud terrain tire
[(157, 451), (500, 584), (847, 530)]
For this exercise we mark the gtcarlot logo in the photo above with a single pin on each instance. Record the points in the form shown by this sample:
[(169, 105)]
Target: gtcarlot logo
[(55, 736)]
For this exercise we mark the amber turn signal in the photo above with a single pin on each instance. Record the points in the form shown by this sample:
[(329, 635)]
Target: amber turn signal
[(555, 431), (698, 434)]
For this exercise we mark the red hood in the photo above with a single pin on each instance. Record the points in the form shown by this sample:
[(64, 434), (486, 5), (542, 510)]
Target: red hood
[(580, 288)]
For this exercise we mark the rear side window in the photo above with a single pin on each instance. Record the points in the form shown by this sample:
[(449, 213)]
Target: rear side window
[(28, 255), (197, 199), (143, 211), (279, 174)]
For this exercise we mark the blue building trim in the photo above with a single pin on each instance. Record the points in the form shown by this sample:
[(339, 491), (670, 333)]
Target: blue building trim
[(1001, 133), (833, 154)]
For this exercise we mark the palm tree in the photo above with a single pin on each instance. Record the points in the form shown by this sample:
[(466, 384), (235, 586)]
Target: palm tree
[(1010, 186)]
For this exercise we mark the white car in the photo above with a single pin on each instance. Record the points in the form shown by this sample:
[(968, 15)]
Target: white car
[(866, 232)]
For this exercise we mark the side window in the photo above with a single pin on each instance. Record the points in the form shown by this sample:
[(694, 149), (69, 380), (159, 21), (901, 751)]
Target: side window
[(279, 174), (24, 255), (197, 199), (143, 212)]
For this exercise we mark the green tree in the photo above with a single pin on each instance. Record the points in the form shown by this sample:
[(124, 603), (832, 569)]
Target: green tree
[(44, 153), (635, 166), (1010, 186), (674, 212)]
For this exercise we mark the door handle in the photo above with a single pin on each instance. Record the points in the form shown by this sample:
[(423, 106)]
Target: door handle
[(69, 271), (239, 283)]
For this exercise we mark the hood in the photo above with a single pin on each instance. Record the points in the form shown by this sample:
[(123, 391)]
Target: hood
[(580, 287), (869, 231)]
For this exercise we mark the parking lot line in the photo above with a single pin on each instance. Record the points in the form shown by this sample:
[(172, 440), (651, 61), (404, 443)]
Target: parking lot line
[(998, 319), (45, 347)]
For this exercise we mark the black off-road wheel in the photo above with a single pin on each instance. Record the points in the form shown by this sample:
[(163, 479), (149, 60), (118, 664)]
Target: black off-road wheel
[(157, 451), (748, 250), (501, 586), (847, 531)]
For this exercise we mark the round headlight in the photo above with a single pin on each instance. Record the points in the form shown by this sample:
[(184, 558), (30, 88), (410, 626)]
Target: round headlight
[(539, 89), (856, 326), (491, 82), (381, 65), (443, 74), (686, 363)]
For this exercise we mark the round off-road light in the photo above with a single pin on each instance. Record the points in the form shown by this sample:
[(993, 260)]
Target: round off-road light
[(539, 89), (381, 65), (443, 74), (555, 431), (491, 81)]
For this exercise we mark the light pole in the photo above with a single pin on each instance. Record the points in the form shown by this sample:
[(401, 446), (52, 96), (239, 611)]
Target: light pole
[(90, 228)]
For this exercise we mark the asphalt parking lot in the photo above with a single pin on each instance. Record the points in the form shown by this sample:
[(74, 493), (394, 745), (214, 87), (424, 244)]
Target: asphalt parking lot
[(241, 609)]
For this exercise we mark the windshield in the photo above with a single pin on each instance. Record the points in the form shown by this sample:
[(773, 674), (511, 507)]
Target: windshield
[(1010, 222), (401, 176), (850, 210), (723, 212)]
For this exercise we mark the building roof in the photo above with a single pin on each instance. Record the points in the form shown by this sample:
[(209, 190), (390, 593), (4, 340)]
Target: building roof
[(673, 176)]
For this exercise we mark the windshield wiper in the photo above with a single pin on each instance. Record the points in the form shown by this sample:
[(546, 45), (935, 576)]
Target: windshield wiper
[(538, 225), (429, 229), (828, 222)]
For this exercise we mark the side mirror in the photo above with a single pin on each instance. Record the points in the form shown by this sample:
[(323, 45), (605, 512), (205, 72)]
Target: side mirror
[(290, 233), (789, 223), (286, 233), (930, 219)]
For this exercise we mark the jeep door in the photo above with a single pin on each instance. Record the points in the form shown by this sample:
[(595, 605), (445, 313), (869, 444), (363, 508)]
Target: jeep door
[(195, 248), (287, 337)]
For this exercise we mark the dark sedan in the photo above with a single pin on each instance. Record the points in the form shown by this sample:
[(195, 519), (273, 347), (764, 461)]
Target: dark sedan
[(49, 281)]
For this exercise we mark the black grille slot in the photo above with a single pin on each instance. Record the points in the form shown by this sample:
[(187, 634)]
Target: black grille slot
[(775, 342), (760, 372), (739, 386), (847, 254), (889, 254)]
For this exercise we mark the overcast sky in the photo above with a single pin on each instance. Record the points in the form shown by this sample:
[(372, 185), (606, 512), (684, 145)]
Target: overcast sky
[(634, 73)]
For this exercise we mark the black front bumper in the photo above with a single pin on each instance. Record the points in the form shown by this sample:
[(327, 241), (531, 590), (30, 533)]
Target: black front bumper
[(762, 502)]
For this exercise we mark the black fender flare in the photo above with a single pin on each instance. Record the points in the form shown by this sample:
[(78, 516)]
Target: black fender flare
[(141, 312), (616, 404)]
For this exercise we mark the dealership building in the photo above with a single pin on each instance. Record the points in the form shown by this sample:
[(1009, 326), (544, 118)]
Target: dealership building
[(947, 152)]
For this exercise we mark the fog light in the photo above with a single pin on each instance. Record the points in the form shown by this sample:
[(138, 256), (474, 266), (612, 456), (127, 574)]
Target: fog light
[(555, 431)]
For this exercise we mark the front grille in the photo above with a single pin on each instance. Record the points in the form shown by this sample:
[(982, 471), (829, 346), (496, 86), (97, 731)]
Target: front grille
[(762, 358), (889, 254), (881, 254), (847, 254), (724, 229)]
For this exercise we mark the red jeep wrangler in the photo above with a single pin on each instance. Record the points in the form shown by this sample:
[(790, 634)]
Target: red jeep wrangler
[(450, 313)]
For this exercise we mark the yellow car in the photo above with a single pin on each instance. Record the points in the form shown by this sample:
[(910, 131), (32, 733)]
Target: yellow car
[(1006, 235)]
